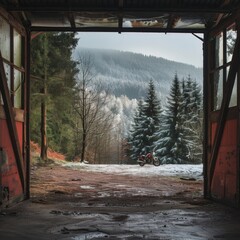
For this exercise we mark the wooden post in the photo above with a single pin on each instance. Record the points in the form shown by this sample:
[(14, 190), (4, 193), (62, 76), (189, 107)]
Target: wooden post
[(27, 114), (205, 112), (43, 106)]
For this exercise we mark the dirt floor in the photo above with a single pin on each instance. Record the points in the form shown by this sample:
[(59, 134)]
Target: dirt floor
[(75, 204)]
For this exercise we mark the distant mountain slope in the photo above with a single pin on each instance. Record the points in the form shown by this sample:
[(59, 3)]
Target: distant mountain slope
[(127, 73)]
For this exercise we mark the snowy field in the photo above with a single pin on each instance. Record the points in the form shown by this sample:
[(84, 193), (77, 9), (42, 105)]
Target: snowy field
[(179, 170)]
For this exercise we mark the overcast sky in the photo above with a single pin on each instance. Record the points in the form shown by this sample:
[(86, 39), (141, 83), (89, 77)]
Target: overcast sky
[(184, 48)]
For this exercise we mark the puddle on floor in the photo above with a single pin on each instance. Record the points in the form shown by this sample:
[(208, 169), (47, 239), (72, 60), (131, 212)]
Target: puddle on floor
[(90, 235), (86, 187)]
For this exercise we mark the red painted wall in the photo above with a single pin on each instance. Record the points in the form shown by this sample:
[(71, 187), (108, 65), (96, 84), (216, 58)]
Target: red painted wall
[(9, 172), (224, 185)]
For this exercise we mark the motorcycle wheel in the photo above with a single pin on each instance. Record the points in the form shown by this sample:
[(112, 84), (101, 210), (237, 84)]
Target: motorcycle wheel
[(156, 161), (141, 164)]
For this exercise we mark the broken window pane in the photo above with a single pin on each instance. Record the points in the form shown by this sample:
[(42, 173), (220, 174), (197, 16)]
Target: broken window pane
[(231, 39), (5, 39), (218, 89), (233, 100)]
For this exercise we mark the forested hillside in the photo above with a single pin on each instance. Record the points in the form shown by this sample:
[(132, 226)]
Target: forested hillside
[(128, 73)]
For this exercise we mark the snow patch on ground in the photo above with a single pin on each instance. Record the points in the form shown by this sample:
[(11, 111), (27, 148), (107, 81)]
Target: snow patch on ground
[(179, 170)]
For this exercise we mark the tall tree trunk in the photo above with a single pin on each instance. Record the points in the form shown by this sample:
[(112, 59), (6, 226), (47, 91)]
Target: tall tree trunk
[(43, 128), (83, 146), (84, 134), (44, 108)]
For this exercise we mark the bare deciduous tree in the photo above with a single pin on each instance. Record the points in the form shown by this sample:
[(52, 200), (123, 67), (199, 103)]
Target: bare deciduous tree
[(89, 104)]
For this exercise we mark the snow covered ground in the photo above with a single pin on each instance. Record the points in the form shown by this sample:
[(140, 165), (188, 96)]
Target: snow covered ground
[(179, 170)]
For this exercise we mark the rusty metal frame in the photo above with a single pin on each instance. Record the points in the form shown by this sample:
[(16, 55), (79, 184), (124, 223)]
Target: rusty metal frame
[(224, 108), (8, 108)]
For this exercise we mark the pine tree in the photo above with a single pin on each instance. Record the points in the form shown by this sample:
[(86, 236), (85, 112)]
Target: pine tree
[(152, 106), (53, 78), (186, 106), (146, 124), (193, 120), (136, 133), (152, 112), (171, 145)]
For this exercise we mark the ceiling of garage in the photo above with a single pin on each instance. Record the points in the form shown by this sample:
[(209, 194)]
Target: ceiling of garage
[(121, 15)]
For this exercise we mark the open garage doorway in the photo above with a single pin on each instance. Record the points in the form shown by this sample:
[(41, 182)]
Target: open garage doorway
[(221, 135), (128, 74), (121, 78)]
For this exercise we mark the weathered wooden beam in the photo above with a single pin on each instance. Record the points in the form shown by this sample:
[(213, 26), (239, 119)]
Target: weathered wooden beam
[(18, 114), (224, 108), (156, 9), (27, 112), (71, 19), (226, 22), (116, 29), (11, 122), (205, 112)]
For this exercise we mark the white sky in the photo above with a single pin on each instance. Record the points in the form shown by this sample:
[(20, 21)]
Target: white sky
[(178, 47)]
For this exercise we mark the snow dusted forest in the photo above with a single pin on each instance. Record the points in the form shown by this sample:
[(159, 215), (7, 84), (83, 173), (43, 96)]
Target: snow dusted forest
[(107, 106), (128, 74), (173, 132), (157, 104)]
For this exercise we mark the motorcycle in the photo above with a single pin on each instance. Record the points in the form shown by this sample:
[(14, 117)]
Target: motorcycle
[(148, 158)]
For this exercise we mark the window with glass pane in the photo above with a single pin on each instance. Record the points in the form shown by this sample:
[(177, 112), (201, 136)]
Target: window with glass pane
[(233, 100), (218, 89), (7, 69), (8, 76), (231, 36), (11, 42), (17, 49), (17, 89), (5, 39), (219, 50)]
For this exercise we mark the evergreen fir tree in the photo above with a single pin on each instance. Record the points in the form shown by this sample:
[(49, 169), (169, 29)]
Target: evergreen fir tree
[(152, 106), (186, 114), (152, 112), (136, 133), (191, 118), (171, 145), (53, 69), (146, 124), (195, 124)]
